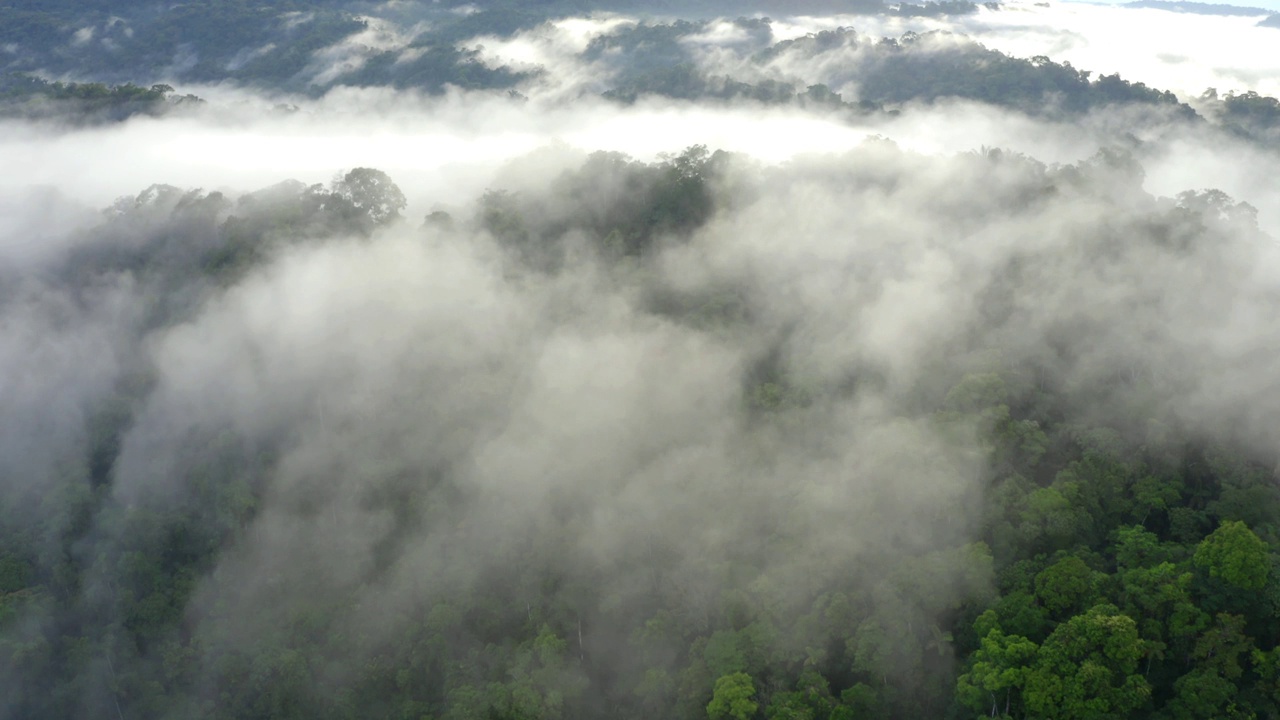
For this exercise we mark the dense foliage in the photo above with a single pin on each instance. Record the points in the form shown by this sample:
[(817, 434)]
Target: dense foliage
[(1247, 114), (312, 48), (880, 435), (198, 41), (887, 72), (1124, 564), (24, 96)]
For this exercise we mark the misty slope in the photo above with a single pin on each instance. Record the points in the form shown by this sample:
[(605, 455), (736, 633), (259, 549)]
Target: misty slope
[(835, 423), (1199, 8), (869, 435), (30, 98), (1270, 19), (881, 71), (438, 50), (282, 44)]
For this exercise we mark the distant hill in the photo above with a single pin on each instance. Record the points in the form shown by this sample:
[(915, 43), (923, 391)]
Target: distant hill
[(1272, 21), (1198, 8)]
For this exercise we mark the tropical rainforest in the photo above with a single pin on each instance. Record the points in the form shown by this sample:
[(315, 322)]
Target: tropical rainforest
[(899, 427)]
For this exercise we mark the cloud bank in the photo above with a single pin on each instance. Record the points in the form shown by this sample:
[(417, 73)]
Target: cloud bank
[(719, 385)]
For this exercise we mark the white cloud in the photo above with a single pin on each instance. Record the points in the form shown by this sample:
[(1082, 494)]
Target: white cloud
[(1182, 52)]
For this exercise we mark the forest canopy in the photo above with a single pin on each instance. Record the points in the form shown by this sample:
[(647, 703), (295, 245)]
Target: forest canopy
[(516, 418), (857, 536)]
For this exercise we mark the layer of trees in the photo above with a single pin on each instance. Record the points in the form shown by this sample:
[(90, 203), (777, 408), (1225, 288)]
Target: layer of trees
[(1247, 114), (310, 48), (1124, 565), (1199, 8), (887, 73), (32, 98)]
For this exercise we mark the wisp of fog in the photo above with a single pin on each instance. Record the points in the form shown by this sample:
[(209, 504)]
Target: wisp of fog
[(613, 375)]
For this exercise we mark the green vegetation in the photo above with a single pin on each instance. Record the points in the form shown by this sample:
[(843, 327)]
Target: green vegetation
[(1248, 114), (889, 73), (1122, 567), (935, 9), (310, 48), (32, 98), (195, 41), (1048, 516)]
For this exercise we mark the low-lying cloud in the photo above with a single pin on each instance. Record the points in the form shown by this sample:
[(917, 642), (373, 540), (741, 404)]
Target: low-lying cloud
[(748, 404)]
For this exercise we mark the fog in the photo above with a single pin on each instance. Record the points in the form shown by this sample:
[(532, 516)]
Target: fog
[(240, 143), (747, 412), (445, 151), (1182, 52)]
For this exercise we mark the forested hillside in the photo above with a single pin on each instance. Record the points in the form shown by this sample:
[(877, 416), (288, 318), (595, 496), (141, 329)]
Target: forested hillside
[(673, 59), (543, 429), (1017, 509)]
